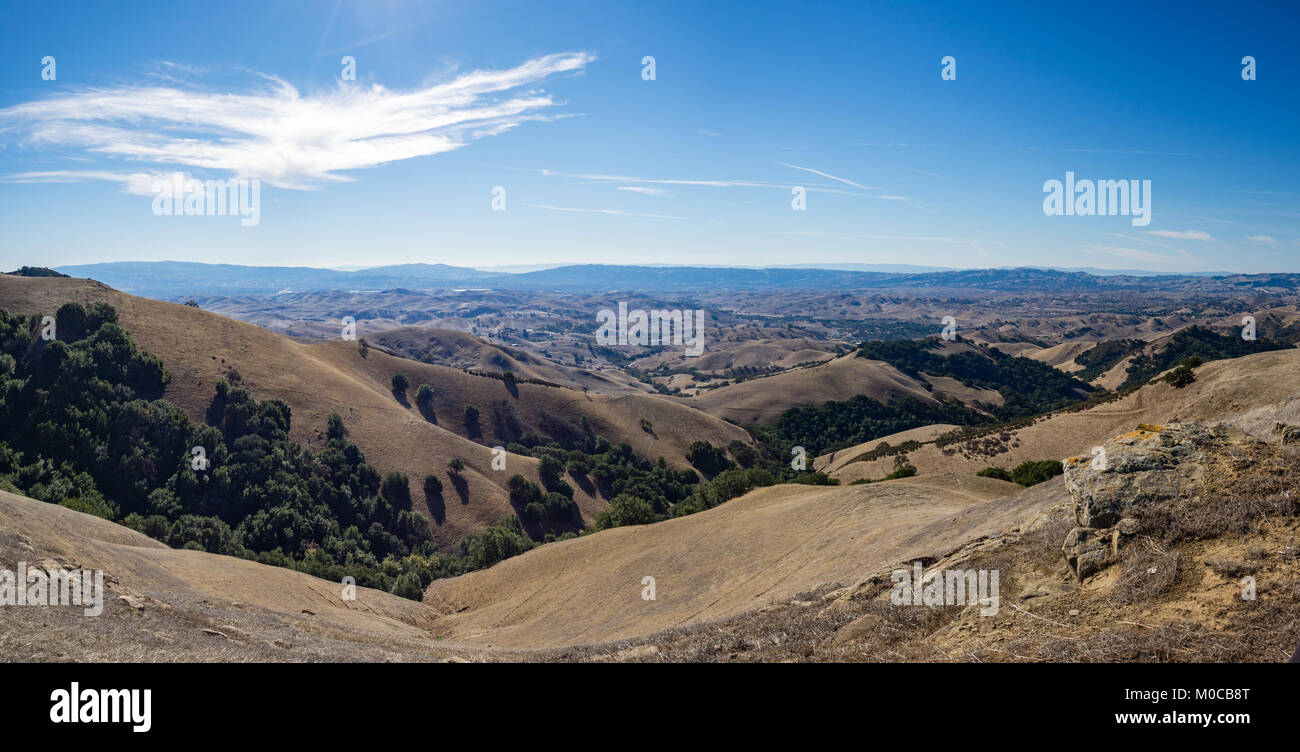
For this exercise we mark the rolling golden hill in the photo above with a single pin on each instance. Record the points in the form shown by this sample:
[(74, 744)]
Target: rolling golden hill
[(320, 378)]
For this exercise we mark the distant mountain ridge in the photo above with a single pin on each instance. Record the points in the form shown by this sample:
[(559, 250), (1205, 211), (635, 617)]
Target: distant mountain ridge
[(175, 279)]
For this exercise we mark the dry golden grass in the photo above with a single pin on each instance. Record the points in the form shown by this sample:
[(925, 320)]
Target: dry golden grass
[(762, 400), (761, 548)]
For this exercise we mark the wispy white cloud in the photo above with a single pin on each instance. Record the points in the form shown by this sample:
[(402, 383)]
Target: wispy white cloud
[(1262, 238), (829, 176), (275, 133), (644, 189), (631, 180), (614, 212), (1180, 234), (712, 134), (1181, 258)]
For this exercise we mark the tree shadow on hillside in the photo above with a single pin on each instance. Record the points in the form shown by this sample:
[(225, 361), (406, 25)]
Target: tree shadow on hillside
[(437, 506), (461, 485), (426, 411), (585, 484), (401, 398), (472, 428)]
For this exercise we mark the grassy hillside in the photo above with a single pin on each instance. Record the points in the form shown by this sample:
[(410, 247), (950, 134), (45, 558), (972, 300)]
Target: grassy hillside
[(393, 431)]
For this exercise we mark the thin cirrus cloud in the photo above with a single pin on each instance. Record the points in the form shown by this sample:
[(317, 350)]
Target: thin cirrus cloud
[(1178, 257), (275, 133), (612, 212), (827, 175), (1262, 238), (632, 180), (644, 189), (1180, 234)]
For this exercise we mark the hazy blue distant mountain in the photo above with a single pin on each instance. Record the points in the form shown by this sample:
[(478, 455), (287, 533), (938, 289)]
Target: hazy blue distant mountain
[(170, 279), (174, 279), (890, 268)]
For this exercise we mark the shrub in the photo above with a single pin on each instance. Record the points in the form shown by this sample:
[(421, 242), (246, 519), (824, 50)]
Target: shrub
[(1033, 472), (397, 490), (424, 395), (709, 459), (994, 472), (1180, 376), (334, 426), (401, 383), (906, 471)]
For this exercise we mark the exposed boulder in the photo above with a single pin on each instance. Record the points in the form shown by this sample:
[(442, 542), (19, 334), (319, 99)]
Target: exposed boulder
[(1286, 434), (1143, 467)]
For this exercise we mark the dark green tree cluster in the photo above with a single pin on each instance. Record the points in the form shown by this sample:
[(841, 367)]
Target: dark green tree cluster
[(1194, 341), (859, 419), (1027, 386), (81, 426)]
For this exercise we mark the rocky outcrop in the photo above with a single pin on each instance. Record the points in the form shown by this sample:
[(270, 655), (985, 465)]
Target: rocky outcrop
[(1286, 434), (1112, 485)]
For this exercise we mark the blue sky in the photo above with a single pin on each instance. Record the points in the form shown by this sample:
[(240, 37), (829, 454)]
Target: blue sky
[(547, 100)]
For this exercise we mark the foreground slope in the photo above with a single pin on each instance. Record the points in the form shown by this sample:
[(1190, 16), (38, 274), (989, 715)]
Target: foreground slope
[(178, 605), (752, 551)]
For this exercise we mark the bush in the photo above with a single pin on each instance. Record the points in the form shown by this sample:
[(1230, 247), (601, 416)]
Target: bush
[(994, 472), (334, 426), (1180, 376), (456, 465), (424, 395), (396, 489), (408, 585), (709, 459), (496, 542), (1033, 472), (401, 383), (626, 509)]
